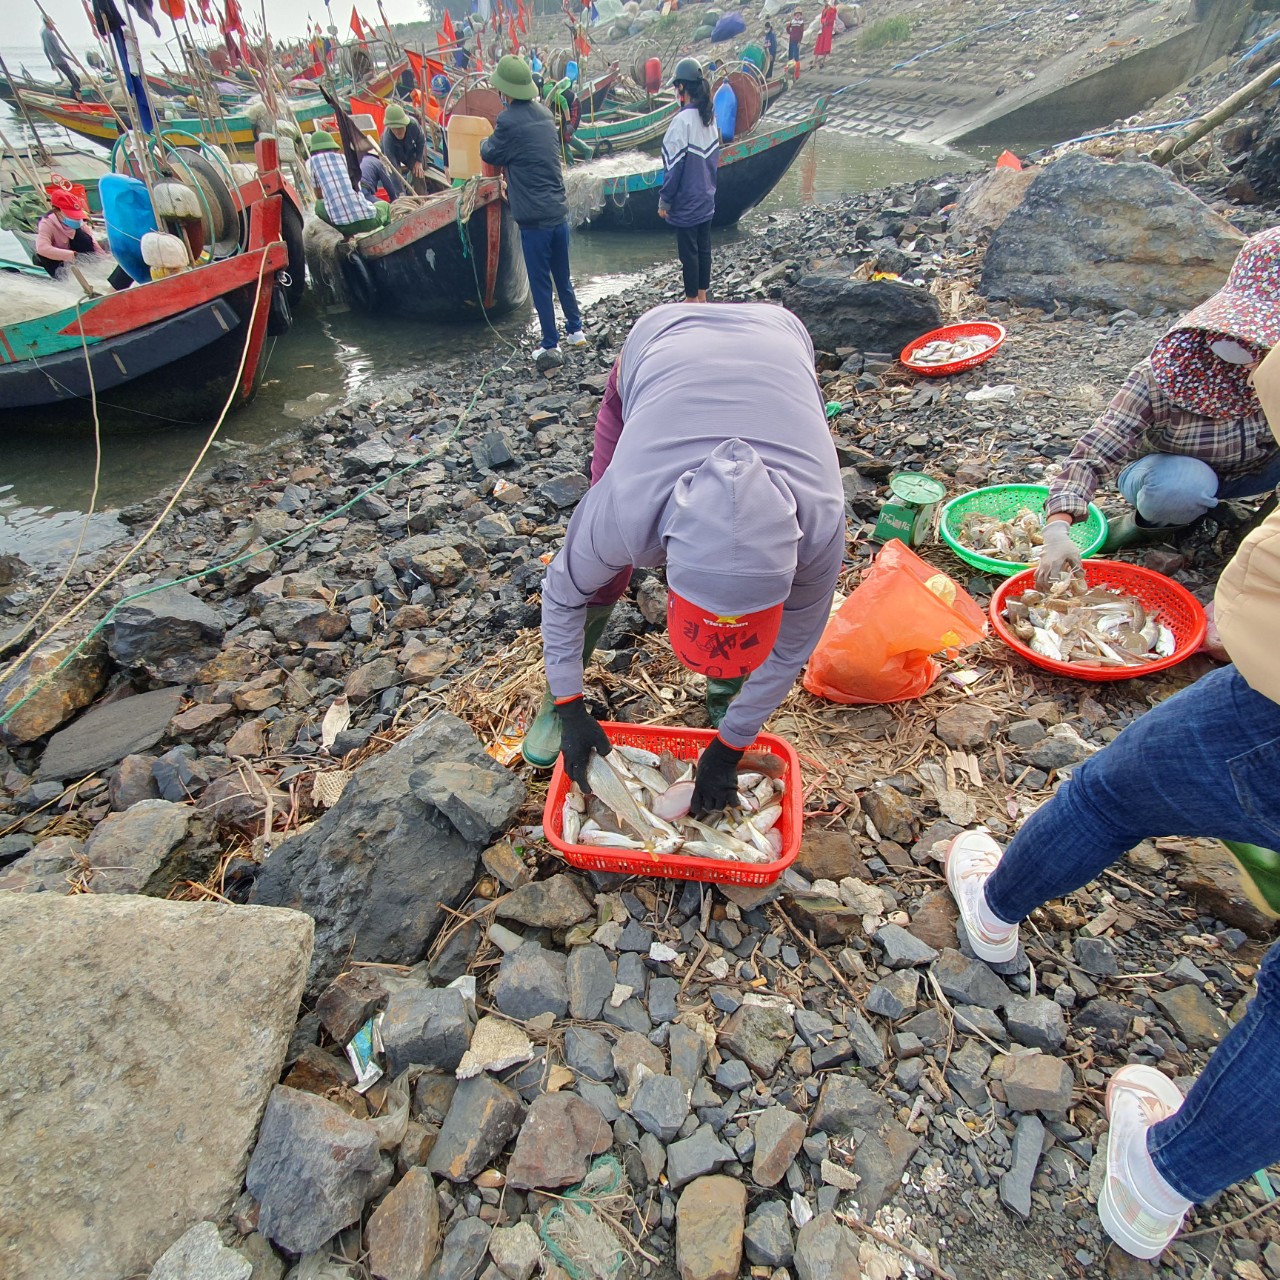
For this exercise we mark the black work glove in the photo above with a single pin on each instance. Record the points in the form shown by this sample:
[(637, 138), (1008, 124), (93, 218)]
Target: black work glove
[(580, 735), (715, 785)]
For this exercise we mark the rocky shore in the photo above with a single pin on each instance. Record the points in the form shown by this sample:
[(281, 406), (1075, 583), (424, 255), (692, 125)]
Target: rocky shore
[(266, 796)]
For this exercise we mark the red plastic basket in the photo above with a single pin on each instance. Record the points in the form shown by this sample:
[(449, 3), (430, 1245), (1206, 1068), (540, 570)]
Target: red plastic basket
[(948, 333), (684, 743), (1173, 605)]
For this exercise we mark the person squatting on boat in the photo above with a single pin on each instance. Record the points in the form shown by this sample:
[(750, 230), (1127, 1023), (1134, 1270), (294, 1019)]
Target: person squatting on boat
[(1186, 431), (338, 201), (526, 143), (404, 144), (690, 161), (61, 234), (733, 485), (1203, 763)]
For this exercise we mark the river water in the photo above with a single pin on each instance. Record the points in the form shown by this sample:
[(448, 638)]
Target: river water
[(46, 480)]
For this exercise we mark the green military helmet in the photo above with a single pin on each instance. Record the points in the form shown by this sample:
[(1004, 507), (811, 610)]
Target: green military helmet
[(688, 71)]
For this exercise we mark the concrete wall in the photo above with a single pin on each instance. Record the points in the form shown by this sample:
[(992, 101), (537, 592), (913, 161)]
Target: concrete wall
[(1120, 89)]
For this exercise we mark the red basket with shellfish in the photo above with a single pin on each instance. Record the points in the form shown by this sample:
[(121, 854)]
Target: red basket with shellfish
[(772, 752), (1110, 633)]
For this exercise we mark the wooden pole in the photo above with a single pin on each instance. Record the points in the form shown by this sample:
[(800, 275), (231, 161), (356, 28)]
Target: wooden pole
[(26, 115), (1222, 112)]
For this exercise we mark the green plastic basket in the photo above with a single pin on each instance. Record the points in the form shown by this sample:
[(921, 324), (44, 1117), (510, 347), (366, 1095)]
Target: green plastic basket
[(1005, 501)]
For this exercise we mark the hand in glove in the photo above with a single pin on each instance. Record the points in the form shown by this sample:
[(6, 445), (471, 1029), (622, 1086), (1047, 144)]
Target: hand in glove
[(580, 735), (1059, 553), (715, 785)]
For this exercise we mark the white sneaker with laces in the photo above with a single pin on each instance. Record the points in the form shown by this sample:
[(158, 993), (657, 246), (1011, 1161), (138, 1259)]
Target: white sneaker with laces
[(971, 858), (1138, 1208), (576, 339)]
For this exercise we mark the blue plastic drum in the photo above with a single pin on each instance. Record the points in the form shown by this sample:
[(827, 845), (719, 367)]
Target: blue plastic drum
[(128, 216)]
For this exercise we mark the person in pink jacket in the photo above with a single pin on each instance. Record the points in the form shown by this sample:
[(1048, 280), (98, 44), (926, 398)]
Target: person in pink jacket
[(61, 235)]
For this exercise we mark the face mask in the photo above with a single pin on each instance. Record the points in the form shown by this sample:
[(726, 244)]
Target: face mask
[(73, 223), (1233, 352)]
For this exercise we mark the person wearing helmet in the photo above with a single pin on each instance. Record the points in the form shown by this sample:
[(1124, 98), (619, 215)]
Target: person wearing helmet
[(526, 142), (1186, 431), (403, 142), (734, 487), (690, 161)]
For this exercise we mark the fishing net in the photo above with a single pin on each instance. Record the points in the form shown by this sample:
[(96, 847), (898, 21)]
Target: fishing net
[(584, 184), (326, 251), (584, 1232), (27, 297)]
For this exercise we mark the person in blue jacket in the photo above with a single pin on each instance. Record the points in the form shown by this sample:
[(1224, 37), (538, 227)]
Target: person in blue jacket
[(690, 159)]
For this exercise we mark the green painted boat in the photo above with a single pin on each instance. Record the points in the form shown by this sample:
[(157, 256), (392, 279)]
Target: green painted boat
[(626, 129)]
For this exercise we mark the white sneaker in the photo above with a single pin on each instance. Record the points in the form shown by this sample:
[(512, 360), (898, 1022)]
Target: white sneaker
[(971, 858), (576, 339), (1138, 1209)]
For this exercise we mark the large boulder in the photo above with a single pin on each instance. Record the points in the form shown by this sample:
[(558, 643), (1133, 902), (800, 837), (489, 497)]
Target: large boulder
[(842, 311), (42, 694), (168, 633), (139, 1041), (1111, 236), (990, 199), (375, 869)]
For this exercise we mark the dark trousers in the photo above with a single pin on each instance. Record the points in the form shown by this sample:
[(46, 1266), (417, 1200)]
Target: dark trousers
[(546, 259), (72, 79), (793, 50), (82, 242), (694, 247)]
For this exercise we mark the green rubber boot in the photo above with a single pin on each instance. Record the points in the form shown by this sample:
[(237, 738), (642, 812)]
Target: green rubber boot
[(1260, 876), (1129, 530), (719, 694), (541, 744)]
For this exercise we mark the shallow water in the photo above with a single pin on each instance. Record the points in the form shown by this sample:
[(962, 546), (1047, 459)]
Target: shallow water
[(45, 481)]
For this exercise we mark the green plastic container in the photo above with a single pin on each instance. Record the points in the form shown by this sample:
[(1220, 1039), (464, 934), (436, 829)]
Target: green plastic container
[(1005, 501), (754, 54)]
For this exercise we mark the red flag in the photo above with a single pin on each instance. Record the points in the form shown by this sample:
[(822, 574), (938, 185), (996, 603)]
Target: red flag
[(174, 8), (441, 43), (511, 35), (233, 20), (356, 28), (447, 26), (584, 49), (423, 68)]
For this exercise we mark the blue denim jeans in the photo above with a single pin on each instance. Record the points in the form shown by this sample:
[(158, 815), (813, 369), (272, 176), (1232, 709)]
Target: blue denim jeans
[(1206, 762), (1170, 489), (546, 258)]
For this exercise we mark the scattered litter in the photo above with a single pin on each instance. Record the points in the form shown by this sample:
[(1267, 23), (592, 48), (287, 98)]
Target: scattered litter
[(362, 1049)]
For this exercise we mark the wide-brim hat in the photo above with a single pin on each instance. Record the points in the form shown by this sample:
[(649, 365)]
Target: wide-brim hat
[(513, 77), (321, 140), (1247, 310), (396, 118)]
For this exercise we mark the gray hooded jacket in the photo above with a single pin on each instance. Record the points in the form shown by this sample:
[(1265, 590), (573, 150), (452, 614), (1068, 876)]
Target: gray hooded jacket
[(726, 473)]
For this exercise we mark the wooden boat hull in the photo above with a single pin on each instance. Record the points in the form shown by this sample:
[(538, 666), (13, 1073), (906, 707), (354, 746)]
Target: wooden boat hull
[(179, 348), (96, 122), (418, 268), (626, 133), (749, 170)]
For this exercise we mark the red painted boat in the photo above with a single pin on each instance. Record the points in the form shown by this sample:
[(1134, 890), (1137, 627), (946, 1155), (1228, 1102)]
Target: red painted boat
[(178, 348)]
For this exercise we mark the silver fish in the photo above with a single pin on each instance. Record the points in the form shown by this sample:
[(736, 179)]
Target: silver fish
[(612, 790)]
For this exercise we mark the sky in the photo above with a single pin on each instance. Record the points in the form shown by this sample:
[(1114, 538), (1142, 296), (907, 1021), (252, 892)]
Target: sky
[(285, 18)]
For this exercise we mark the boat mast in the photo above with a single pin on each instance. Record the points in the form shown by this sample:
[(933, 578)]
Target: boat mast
[(26, 115)]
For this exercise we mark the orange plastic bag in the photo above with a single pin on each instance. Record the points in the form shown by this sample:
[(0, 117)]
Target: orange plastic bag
[(877, 646)]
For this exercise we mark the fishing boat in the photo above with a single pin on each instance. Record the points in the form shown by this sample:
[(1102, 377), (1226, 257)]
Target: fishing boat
[(749, 169), (626, 128), (456, 256), (55, 164), (174, 349), (97, 121)]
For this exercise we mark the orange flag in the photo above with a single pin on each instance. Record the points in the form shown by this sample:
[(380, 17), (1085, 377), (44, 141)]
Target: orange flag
[(448, 28)]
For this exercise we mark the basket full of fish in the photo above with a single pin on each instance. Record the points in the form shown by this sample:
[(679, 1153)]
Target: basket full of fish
[(636, 820), (1000, 528), (953, 348), (1113, 622)]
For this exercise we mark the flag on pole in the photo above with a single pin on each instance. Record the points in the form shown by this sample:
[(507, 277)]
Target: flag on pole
[(356, 27), (175, 9), (447, 27)]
